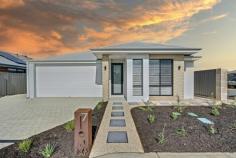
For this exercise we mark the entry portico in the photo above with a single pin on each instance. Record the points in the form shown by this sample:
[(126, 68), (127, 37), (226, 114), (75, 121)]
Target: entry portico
[(145, 71)]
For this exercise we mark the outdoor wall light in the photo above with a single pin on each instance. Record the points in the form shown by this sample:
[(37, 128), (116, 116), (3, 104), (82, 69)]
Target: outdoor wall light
[(179, 67), (105, 68)]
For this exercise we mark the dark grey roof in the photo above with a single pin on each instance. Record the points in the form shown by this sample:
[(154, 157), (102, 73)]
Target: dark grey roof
[(144, 46), (13, 58)]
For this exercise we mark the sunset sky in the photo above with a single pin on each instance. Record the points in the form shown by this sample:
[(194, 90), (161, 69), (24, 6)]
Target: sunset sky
[(41, 28)]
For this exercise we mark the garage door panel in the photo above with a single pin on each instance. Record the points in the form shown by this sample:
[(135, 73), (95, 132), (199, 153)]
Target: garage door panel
[(67, 81)]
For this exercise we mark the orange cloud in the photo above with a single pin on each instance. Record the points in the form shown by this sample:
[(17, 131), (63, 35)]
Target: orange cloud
[(31, 44), (10, 3)]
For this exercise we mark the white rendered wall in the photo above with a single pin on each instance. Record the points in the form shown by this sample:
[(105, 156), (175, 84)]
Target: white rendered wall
[(129, 61), (189, 80), (30, 80), (81, 80)]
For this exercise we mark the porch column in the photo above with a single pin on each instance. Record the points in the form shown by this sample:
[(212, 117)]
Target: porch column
[(105, 77), (221, 84)]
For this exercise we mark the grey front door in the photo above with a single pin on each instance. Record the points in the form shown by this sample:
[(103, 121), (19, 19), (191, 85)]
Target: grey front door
[(116, 78)]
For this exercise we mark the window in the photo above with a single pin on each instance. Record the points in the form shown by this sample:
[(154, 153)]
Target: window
[(161, 77), (137, 77)]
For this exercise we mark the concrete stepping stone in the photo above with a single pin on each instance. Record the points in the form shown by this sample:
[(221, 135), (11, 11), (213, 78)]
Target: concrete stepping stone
[(192, 114), (117, 108), (133, 103), (117, 123), (117, 114), (117, 137), (117, 103), (206, 121)]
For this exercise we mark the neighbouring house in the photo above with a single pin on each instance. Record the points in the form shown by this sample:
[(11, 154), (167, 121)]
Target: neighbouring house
[(139, 71), (10, 62), (12, 73)]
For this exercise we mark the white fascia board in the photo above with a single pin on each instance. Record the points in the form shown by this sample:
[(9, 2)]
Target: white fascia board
[(64, 62), (192, 58), (189, 52)]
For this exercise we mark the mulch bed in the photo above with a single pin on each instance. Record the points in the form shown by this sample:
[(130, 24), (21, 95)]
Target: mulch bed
[(198, 138), (57, 136)]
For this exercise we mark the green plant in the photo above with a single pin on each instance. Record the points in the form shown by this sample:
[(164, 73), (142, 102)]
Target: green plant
[(69, 126), (181, 131), (161, 136), (215, 111), (179, 107), (211, 129), (146, 108), (233, 126), (233, 103), (151, 118), (48, 151), (99, 105), (175, 115), (214, 102), (25, 145)]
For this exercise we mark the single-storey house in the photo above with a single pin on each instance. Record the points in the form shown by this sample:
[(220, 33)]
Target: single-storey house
[(139, 71), (10, 62)]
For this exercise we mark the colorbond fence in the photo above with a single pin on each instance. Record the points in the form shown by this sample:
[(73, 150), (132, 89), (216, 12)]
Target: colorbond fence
[(205, 83), (211, 83), (12, 83)]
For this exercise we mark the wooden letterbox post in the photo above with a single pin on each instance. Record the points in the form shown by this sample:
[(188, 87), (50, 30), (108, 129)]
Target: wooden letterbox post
[(83, 132)]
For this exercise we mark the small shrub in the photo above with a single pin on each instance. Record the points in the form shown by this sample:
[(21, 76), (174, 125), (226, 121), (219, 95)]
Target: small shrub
[(179, 107), (151, 118), (48, 151), (181, 131), (233, 103), (211, 129), (99, 105), (233, 126), (215, 111), (161, 136), (25, 145), (175, 115), (146, 108), (70, 126)]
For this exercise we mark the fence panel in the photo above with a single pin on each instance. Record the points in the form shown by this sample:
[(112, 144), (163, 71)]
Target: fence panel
[(12, 83), (205, 83)]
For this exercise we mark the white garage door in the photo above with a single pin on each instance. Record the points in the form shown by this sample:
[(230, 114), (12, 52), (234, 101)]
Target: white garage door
[(82, 80)]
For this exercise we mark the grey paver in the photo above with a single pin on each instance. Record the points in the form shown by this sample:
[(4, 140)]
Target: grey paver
[(117, 137), (117, 103), (117, 107), (117, 114), (117, 123)]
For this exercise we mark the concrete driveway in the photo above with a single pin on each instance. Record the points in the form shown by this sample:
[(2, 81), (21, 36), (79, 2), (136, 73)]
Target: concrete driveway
[(21, 118)]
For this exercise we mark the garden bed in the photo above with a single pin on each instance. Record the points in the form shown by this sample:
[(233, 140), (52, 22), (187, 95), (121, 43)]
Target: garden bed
[(186, 133), (61, 138)]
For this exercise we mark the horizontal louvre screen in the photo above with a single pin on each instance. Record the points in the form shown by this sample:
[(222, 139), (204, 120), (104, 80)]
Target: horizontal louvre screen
[(137, 77), (160, 77)]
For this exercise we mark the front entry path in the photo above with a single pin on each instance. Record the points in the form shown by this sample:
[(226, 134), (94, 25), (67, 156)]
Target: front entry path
[(117, 132), (169, 155)]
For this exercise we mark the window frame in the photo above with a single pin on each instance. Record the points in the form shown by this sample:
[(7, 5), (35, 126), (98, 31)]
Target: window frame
[(160, 86), (141, 86)]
